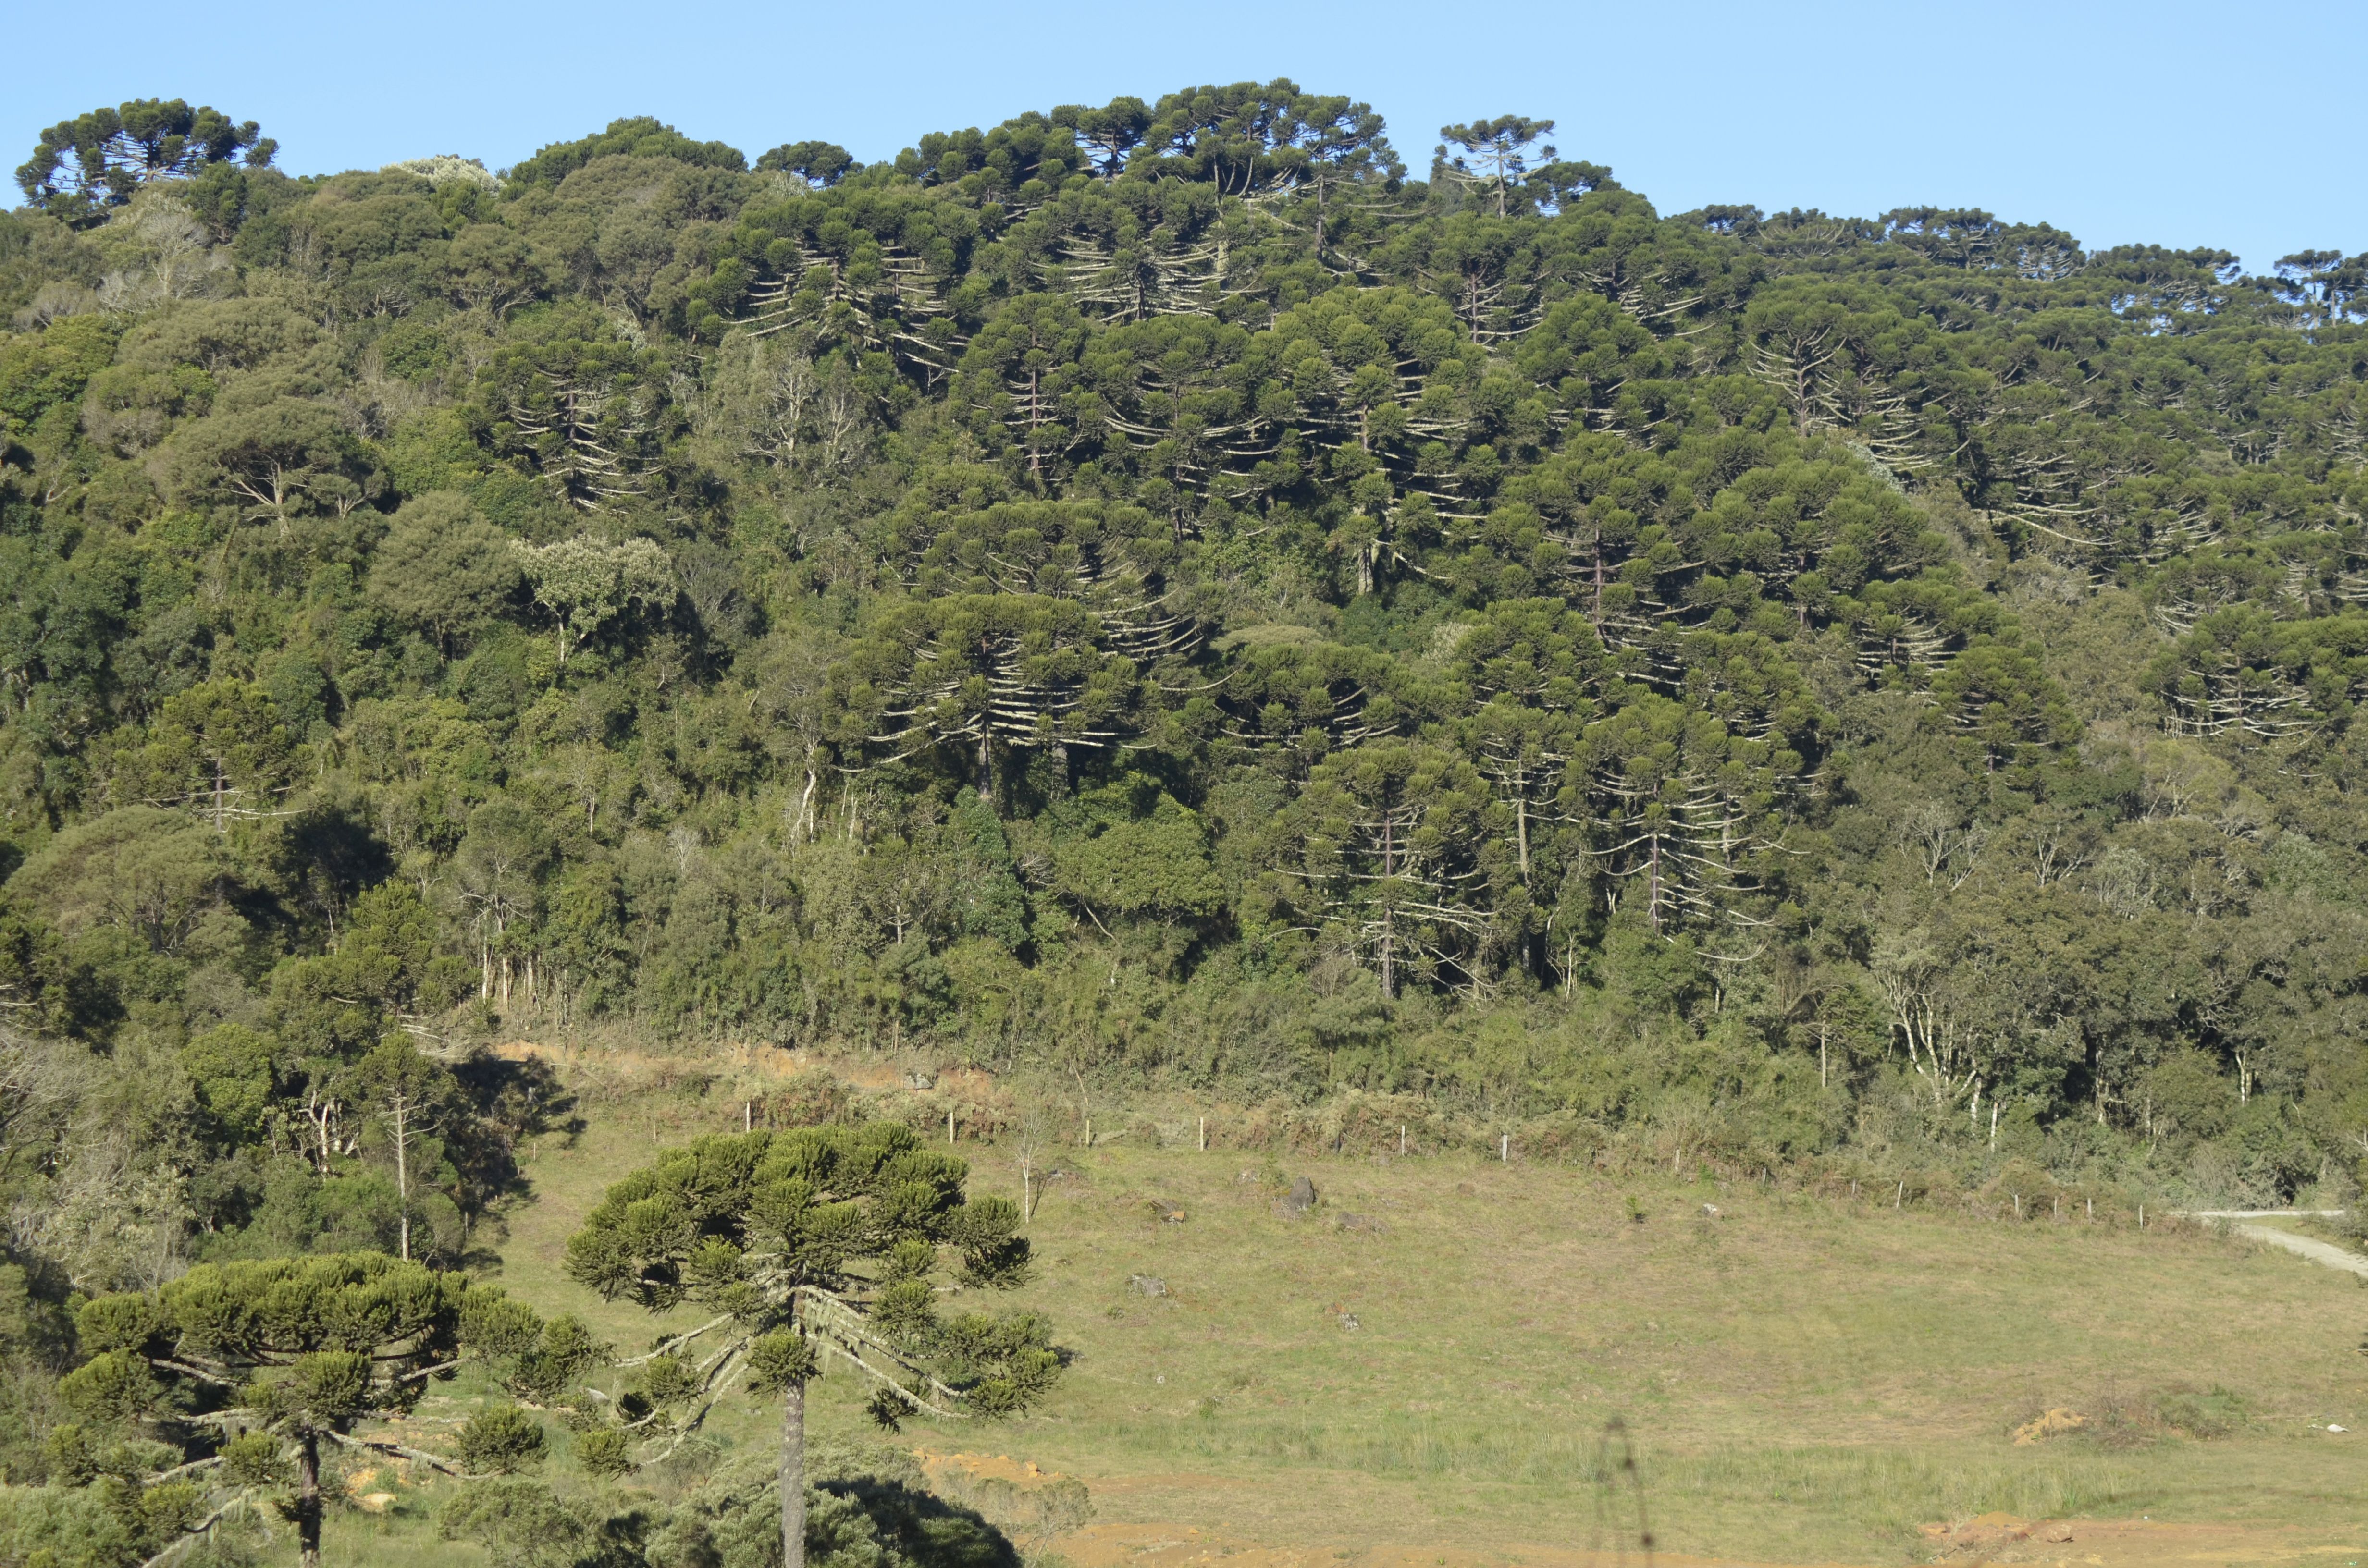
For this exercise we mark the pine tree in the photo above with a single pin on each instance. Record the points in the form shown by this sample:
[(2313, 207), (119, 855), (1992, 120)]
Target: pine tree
[(251, 1366), (817, 1245)]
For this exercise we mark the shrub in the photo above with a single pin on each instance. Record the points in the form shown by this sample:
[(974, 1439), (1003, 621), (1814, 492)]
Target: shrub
[(519, 1523), (501, 1441), (605, 1452)]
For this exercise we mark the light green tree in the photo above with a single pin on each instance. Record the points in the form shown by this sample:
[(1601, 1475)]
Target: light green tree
[(586, 583)]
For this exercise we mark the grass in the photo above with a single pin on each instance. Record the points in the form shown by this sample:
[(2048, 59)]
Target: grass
[(1800, 1379)]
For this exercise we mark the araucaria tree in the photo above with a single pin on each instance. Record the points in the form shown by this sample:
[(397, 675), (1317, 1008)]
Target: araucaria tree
[(248, 1367), (100, 160), (813, 1246)]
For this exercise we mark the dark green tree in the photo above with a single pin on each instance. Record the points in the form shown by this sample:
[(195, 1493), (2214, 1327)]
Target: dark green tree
[(820, 163), (443, 567), (639, 136), (1492, 154), (100, 160)]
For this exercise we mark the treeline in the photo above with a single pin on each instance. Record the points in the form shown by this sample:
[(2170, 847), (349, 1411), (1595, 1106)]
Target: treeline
[(1154, 595)]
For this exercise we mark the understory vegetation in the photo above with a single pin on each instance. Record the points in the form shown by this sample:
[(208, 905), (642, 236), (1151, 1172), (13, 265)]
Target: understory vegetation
[(1152, 602)]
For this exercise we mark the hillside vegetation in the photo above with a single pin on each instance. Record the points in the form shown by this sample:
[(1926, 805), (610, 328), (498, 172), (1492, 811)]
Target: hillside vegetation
[(1154, 600)]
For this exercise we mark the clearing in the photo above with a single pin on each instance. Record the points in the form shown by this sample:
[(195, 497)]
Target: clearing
[(1425, 1370)]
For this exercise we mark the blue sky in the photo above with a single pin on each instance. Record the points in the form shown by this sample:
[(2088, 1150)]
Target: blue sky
[(2173, 123)]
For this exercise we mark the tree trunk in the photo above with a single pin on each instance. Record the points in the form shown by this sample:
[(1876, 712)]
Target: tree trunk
[(794, 1476), (403, 1167), (308, 1501)]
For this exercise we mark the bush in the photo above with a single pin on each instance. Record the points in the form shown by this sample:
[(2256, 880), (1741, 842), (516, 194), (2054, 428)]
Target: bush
[(605, 1452), (501, 1441), (519, 1523)]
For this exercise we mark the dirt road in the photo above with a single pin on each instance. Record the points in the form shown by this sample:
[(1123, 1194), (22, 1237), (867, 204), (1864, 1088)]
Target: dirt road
[(2317, 1251)]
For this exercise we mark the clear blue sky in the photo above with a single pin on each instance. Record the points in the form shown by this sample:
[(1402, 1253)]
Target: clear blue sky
[(2179, 124)]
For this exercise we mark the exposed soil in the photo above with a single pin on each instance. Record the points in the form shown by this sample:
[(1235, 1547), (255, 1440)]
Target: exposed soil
[(1992, 1539)]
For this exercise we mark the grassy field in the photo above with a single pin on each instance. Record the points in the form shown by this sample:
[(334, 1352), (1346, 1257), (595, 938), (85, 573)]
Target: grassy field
[(1427, 1366)]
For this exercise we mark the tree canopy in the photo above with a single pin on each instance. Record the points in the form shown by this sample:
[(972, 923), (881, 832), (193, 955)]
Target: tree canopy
[(101, 159), (1159, 595), (817, 1247)]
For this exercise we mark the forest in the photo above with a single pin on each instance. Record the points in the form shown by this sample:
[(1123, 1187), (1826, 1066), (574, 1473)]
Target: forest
[(1158, 599)]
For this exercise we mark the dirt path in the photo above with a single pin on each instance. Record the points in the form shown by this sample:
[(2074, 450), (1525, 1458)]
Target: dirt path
[(2320, 1252)]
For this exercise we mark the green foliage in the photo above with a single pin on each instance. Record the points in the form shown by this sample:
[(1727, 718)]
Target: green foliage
[(310, 1344), (231, 1068), (501, 1441), (820, 1243), (443, 567), (110, 1522), (585, 583), (867, 1504), (819, 163), (605, 1453), (521, 1524), (637, 137), (1151, 594), (116, 151), (551, 1365)]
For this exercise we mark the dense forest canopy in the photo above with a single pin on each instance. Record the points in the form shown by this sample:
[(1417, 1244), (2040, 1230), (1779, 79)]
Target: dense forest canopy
[(1160, 597)]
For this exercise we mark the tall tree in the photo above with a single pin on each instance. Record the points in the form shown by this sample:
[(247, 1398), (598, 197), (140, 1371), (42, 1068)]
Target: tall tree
[(1383, 850), (816, 1245), (410, 1096), (296, 1351), (84, 165), (1493, 153)]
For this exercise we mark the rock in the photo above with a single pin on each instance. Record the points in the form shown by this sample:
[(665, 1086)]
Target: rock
[(1167, 1213), (1146, 1284), (1348, 1322), (1711, 1210), (917, 1080), (1359, 1223), (1297, 1201), (2057, 1535)]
